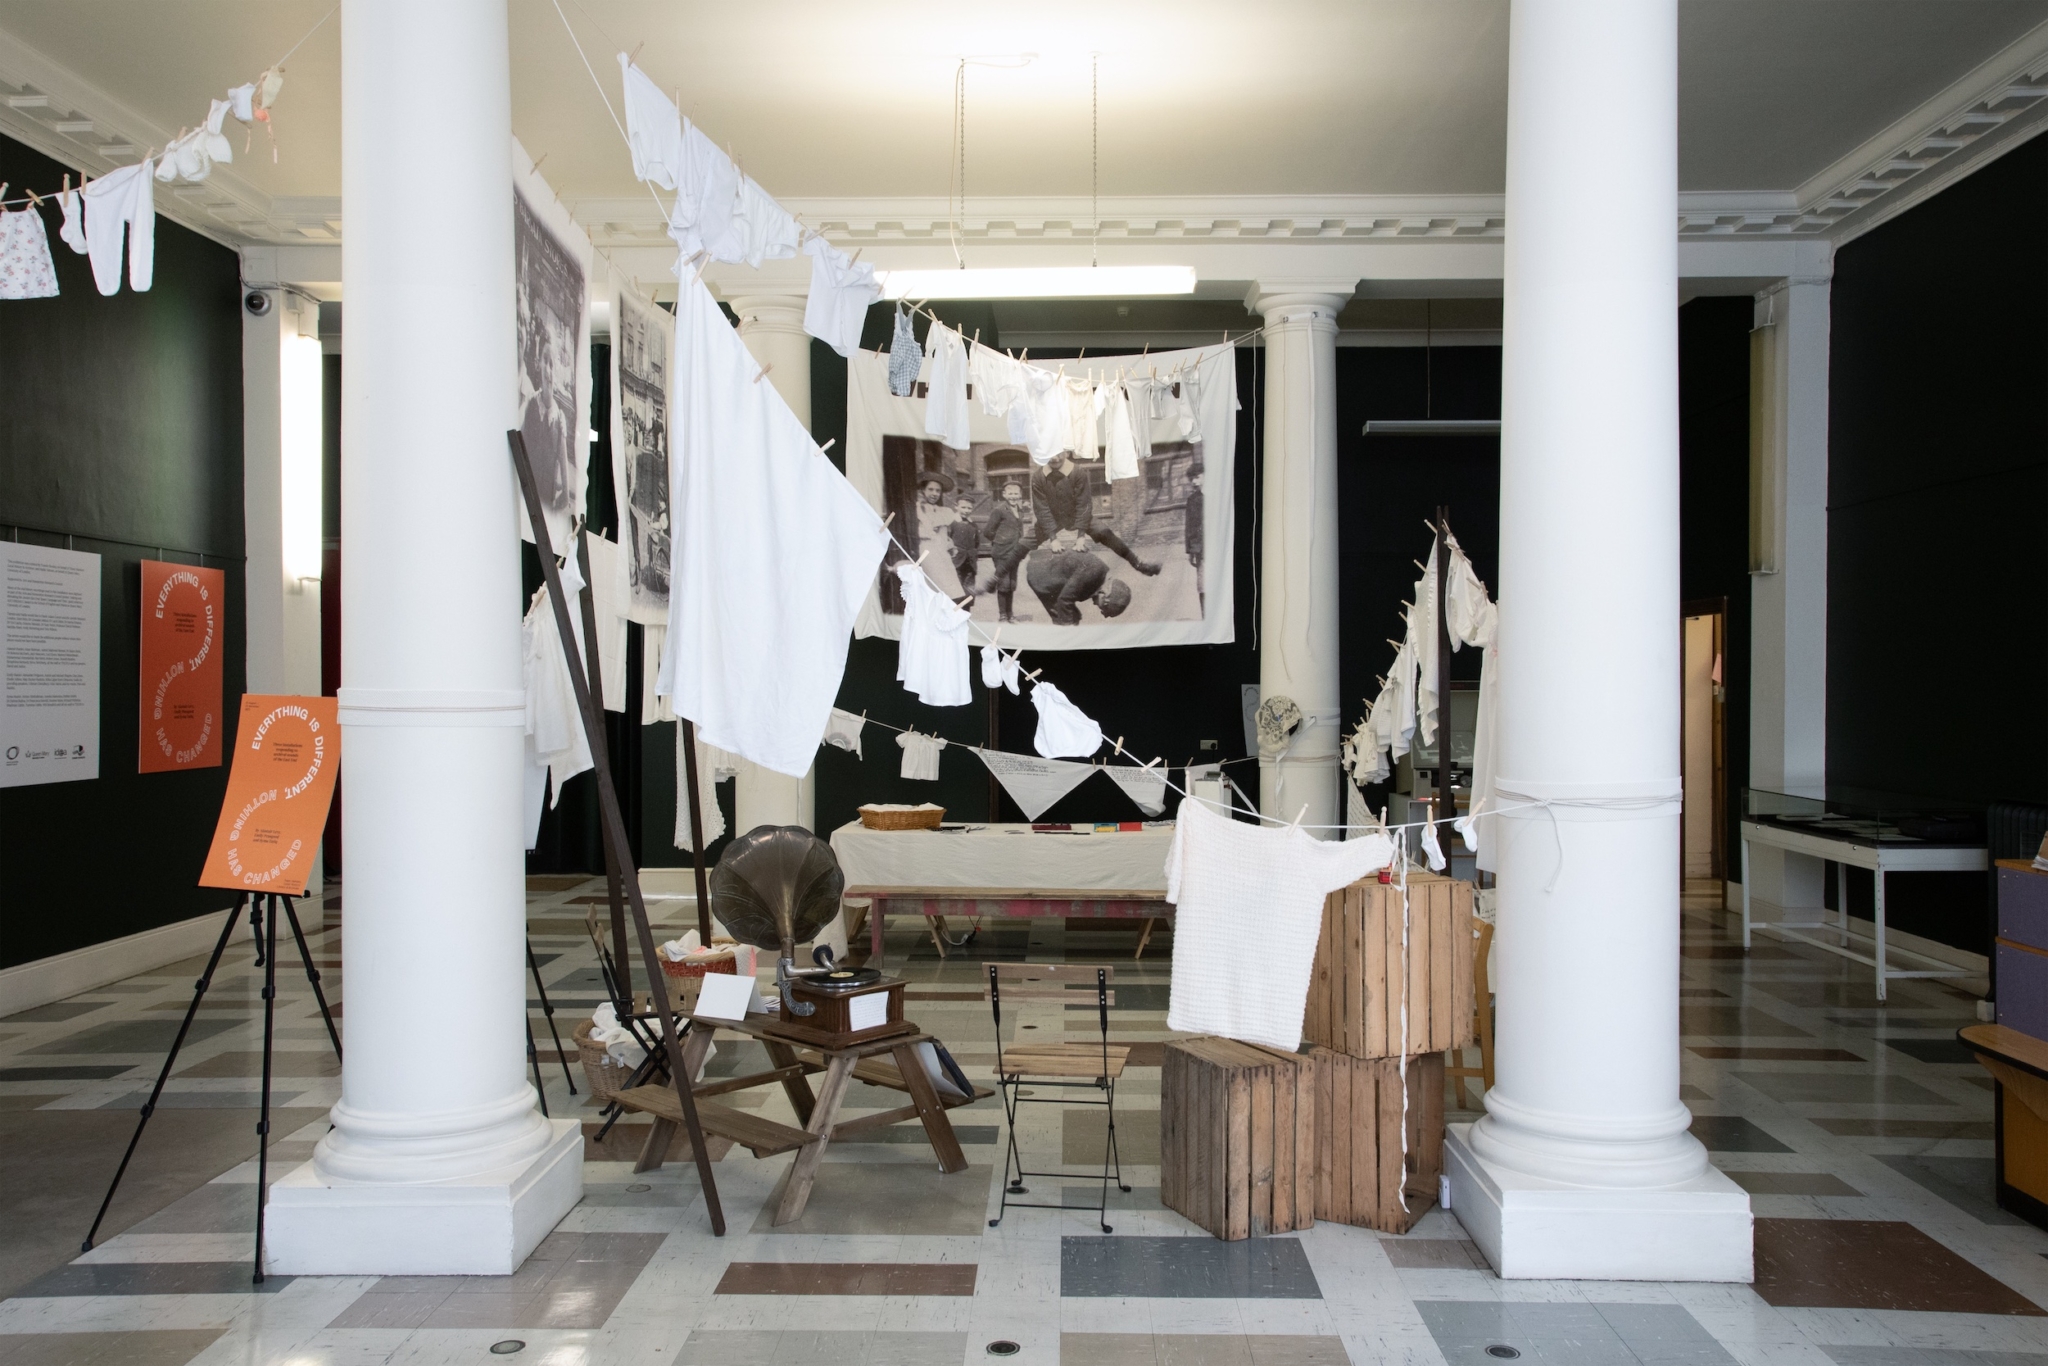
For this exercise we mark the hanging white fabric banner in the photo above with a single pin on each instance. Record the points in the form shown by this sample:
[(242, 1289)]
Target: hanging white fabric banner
[(1034, 784), (1145, 786), (1055, 553)]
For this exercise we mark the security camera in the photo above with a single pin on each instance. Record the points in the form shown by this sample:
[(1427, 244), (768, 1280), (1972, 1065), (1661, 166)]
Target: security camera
[(257, 302)]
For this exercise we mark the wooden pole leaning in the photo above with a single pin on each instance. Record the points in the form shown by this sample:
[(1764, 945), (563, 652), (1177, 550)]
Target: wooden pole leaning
[(614, 825), (696, 835), (622, 962)]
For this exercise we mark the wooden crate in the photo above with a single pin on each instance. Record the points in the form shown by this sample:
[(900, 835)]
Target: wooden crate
[(1362, 1169), (1236, 1137), (1363, 976)]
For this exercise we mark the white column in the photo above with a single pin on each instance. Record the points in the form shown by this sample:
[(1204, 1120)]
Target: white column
[(1583, 1166), (1789, 575), (772, 326), (1298, 560), (438, 1161), (282, 429)]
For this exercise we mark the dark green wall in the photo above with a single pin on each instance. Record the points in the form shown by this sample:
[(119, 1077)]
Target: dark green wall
[(123, 436), (1937, 495)]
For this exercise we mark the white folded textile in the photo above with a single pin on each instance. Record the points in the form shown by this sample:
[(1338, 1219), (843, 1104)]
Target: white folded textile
[(1145, 786), (843, 730), (654, 130), (920, 755), (1248, 909), (623, 1046), (1063, 730), (1034, 784), (841, 290), (771, 555), (945, 405)]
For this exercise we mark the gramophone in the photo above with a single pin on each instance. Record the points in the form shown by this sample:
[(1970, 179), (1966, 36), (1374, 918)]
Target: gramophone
[(776, 886)]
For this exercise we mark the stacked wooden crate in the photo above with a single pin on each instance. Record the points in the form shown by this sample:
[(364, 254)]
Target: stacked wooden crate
[(1254, 1140), (1392, 982)]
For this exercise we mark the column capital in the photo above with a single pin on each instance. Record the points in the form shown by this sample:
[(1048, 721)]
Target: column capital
[(1309, 300), (781, 311)]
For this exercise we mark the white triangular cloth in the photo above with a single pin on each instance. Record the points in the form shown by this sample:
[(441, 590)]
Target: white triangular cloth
[(1034, 784), (1145, 786)]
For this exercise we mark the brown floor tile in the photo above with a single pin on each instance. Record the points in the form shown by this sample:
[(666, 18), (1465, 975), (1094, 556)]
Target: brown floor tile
[(150, 1347), (26, 1102), (1734, 1022), (1200, 1349), (376, 1309), (1439, 1254), (1790, 1183), (1907, 1128), (1084, 1134), (1758, 954), (1839, 1086), (1872, 1264), (298, 1063), (1750, 1053), (847, 1278)]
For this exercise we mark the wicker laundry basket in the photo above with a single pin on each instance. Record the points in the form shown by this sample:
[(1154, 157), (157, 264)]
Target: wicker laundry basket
[(604, 1073), (699, 964), (917, 818)]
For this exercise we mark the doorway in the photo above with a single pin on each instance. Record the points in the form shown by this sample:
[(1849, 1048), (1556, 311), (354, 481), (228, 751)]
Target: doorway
[(1703, 759)]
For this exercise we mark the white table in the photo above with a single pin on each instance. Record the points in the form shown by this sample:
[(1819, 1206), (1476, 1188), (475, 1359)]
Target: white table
[(1003, 870), (1846, 849)]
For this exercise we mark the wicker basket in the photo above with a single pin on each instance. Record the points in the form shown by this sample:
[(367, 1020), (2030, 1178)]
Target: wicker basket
[(922, 818), (604, 1073), (697, 965)]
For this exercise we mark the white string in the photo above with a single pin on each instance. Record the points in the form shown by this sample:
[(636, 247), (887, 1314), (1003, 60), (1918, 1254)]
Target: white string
[(606, 98)]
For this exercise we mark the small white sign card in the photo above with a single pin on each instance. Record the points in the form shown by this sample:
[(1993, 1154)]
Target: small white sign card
[(726, 996), (866, 1012)]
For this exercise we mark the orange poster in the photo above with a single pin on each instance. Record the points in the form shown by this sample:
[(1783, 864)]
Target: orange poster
[(287, 753), (183, 614)]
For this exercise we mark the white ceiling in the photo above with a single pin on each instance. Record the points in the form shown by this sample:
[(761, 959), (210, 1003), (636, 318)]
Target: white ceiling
[(826, 99)]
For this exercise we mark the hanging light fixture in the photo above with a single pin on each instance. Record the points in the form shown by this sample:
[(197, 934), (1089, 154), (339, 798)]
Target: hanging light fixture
[(1092, 281)]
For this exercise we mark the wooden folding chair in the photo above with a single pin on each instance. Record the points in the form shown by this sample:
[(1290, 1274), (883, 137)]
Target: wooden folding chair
[(1084, 1066), (1482, 1010)]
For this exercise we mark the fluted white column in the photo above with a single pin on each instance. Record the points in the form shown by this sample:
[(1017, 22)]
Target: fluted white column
[(1298, 561), (1583, 1166), (438, 1161), (772, 326)]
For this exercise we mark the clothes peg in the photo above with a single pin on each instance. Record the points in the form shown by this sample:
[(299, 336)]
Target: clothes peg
[(890, 518), (536, 165), (828, 445), (1296, 823), (763, 372), (634, 55)]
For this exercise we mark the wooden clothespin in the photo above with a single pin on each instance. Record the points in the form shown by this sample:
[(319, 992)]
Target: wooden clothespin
[(763, 372), (828, 445), (1296, 823), (634, 55), (34, 198), (890, 518), (920, 559), (536, 165)]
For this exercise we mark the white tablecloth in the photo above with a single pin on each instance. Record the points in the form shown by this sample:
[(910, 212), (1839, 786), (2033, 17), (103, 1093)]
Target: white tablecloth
[(1004, 856)]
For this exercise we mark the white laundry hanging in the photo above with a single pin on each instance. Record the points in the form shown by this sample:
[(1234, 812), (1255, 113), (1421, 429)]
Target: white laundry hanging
[(931, 659), (1064, 731), (1422, 636), (1034, 784), (73, 230), (608, 598), (707, 197), (920, 755), (771, 555), (999, 670), (557, 749), (714, 766), (654, 707), (945, 407), (123, 200), (1120, 450), (654, 130), (26, 270), (841, 290), (842, 731), (906, 356), (1474, 620), (1248, 910), (1144, 786)]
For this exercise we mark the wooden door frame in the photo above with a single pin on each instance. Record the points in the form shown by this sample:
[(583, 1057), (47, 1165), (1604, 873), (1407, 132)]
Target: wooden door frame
[(1717, 609)]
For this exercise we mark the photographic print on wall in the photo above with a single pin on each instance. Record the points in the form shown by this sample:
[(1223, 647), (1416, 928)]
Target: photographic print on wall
[(551, 275), (643, 337)]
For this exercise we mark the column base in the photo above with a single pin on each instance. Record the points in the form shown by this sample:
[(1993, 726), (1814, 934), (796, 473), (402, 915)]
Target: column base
[(483, 1225), (1532, 1229)]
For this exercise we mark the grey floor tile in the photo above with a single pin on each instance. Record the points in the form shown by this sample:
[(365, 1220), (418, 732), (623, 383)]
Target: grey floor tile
[(135, 1036), (83, 1072), (149, 1347), (1734, 1022), (1594, 1334), (1790, 1183), (1968, 1183), (1929, 1356), (1842, 1086), (1450, 1254), (54, 1012), (1944, 1049), (1734, 1134), (757, 1347), (1185, 1268), (152, 1278)]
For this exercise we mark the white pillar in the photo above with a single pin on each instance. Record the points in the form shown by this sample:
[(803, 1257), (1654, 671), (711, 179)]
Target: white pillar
[(1583, 1166), (772, 326), (1298, 560), (282, 428), (438, 1161), (1788, 597)]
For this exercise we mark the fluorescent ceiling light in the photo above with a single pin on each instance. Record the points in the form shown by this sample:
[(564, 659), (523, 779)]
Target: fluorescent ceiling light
[(1038, 282), (1437, 426)]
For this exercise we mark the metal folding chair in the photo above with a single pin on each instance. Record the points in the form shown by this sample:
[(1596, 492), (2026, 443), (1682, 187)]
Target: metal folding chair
[(1063, 1066)]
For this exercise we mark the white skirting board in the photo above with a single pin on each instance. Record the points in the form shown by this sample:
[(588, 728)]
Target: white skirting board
[(28, 985)]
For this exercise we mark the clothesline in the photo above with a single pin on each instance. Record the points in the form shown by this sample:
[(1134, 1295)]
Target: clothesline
[(30, 197)]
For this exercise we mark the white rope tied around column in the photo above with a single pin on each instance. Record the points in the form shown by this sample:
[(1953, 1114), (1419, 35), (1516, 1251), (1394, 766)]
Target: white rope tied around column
[(1656, 797)]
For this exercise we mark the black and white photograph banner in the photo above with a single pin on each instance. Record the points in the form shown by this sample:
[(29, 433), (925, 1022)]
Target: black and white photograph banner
[(551, 275), (1057, 555), (642, 342)]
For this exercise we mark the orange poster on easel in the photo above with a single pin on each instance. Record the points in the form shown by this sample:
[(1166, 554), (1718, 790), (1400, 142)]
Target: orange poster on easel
[(287, 753), (183, 614)]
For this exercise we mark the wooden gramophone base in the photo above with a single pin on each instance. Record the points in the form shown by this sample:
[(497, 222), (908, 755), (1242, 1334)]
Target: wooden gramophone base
[(831, 1024)]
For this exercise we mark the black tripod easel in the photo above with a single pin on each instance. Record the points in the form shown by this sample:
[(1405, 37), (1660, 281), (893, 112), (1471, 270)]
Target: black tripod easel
[(619, 864), (547, 1008), (262, 907)]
